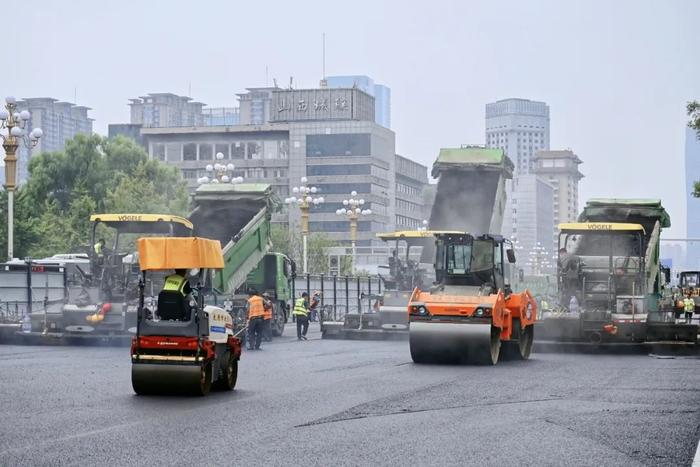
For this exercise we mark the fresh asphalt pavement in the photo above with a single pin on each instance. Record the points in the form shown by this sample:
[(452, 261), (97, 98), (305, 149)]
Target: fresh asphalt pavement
[(321, 402)]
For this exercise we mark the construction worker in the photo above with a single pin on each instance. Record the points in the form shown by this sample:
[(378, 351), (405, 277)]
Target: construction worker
[(99, 249), (569, 274), (301, 313), (256, 312), (267, 317), (178, 282), (688, 308)]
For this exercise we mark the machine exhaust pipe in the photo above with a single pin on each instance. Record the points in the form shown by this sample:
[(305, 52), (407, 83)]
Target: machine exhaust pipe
[(595, 338)]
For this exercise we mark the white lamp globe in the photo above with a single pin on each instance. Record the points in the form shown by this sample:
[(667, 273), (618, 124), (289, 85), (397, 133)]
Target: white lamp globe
[(215, 180), (11, 100), (349, 212), (230, 167), (369, 211), (295, 190), (362, 201), (304, 179), (225, 179), (314, 189), (36, 132), (345, 202), (309, 199), (219, 155), (205, 179), (315, 201), (321, 199), (209, 167), (353, 193), (300, 201), (16, 131), (24, 115), (4, 114)]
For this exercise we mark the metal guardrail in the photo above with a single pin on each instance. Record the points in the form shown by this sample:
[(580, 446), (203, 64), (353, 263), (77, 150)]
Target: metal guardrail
[(339, 294)]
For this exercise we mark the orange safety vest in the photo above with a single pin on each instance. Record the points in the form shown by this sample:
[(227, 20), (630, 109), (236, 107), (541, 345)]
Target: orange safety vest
[(255, 307), (267, 307)]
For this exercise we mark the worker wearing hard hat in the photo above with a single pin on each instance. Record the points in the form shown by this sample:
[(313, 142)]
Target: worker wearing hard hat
[(267, 317), (688, 308), (256, 312), (301, 313)]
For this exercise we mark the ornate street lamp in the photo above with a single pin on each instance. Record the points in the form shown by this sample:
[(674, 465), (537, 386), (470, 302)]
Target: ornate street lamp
[(424, 226), (303, 196), (352, 211), (219, 172), (15, 123)]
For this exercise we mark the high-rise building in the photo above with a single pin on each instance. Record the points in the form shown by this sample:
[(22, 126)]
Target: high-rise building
[(520, 127), (217, 116), (381, 94), (254, 105), (60, 121), (692, 175), (326, 134), (411, 181), (560, 169), (166, 110), (532, 223)]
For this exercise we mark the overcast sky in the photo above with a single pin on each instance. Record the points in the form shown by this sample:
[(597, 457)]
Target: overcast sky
[(616, 74)]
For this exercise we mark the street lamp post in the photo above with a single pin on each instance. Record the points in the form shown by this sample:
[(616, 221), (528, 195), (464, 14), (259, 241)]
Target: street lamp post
[(15, 123), (305, 201), (219, 172), (352, 211)]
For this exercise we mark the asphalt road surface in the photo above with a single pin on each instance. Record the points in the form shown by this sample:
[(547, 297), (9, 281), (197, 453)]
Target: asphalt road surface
[(326, 403)]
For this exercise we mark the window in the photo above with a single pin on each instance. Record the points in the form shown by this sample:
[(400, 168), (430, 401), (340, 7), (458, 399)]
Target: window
[(159, 151), (254, 150), (173, 152), (238, 150), (189, 152), (223, 149), (344, 188), (402, 189), (284, 149), (338, 145), (354, 169), (270, 149), (256, 173), (190, 174), (205, 152)]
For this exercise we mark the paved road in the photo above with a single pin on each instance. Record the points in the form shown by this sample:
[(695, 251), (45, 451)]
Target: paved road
[(352, 403)]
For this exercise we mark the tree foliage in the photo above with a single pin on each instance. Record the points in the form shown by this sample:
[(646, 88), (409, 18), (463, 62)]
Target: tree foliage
[(92, 174), (317, 244), (693, 109)]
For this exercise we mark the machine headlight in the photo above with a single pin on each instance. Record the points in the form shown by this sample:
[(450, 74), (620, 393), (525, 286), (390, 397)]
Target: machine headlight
[(419, 310), (482, 311)]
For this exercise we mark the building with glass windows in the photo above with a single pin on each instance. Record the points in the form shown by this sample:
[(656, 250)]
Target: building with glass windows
[(326, 134), (60, 121), (381, 94)]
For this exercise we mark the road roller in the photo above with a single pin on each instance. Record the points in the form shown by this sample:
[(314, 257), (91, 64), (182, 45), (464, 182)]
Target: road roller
[(470, 314), (182, 346)]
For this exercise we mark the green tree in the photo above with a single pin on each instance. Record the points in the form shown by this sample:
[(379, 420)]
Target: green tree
[(693, 109), (92, 174), (317, 244)]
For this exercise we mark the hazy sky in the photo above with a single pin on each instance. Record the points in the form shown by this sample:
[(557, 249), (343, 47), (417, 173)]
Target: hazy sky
[(616, 74)]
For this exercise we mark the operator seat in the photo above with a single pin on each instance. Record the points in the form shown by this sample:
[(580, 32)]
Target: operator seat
[(173, 306)]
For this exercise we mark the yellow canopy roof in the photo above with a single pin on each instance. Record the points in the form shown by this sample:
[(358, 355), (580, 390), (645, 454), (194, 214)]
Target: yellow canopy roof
[(157, 253), (600, 226), (413, 234)]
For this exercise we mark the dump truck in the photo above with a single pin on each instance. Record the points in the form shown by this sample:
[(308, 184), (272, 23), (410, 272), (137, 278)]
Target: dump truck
[(101, 296), (238, 215), (611, 284), (471, 312), (182, 346)]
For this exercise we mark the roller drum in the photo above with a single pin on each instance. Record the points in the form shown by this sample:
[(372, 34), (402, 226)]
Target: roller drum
[(164, 379), (454, 343)]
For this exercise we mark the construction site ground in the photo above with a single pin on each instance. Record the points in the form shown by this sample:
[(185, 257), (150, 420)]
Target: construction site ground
[(335, 402)]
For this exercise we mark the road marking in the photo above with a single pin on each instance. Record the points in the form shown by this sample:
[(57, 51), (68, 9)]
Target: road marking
[(696, 459)]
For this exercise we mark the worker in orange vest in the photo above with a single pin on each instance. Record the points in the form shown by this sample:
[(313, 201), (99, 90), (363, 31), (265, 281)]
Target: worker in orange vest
[(256, 313), (267, 317)]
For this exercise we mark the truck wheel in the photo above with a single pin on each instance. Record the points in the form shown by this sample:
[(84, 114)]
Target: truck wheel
[(204, 379), (229, 375), (277, 324)]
